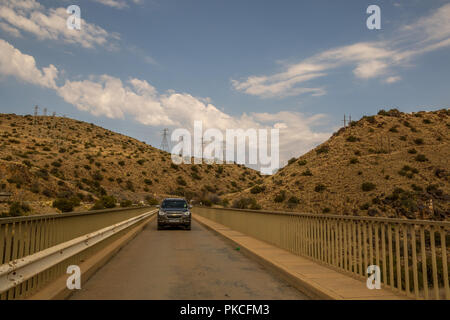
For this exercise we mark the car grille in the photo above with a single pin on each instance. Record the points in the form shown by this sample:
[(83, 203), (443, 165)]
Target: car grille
[(173, 215)]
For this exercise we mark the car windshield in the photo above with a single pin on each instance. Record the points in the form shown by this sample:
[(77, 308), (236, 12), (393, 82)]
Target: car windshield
[(174, 204)]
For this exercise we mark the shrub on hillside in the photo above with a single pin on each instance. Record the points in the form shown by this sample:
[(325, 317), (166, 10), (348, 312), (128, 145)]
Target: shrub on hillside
[(181, 181), (151, 200), (257, 189), (66, 205), (126, 203), (246, 203), (393, 129), (280, 197), (390, 113), (352, 139), (17, 209), (319, 187), (293, 200), (97, 176), (105, 202), (323, 149), (368, 186), (421, 158), (129, 185), (195, 176)]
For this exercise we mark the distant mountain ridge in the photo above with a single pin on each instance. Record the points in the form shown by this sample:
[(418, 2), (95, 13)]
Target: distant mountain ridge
[(57, 157)]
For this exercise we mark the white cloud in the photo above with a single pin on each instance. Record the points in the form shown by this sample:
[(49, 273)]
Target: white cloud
[(30, 16), (393, 79), (109, 96), (23, 67), (367, 59), (10, 29), (118, 4)]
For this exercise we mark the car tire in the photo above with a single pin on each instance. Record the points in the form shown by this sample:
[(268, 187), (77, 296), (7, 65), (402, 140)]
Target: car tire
[(160, 227), (187, 227)]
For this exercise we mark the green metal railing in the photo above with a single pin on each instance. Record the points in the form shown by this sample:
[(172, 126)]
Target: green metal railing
[(412, 254), (24, 236)]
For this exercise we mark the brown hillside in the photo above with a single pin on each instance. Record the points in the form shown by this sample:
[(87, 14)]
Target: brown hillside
[(61, 158), (391, 165)]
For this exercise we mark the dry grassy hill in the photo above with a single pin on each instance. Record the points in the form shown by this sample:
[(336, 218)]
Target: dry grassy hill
[(392, 165), (62, 158)]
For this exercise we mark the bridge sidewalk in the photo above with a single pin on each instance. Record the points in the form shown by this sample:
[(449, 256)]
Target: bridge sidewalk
[(313, 279)]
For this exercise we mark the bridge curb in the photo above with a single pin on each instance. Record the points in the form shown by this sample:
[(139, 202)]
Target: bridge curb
[(57, 290)]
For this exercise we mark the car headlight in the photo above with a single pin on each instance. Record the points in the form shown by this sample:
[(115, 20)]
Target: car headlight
[(161, 212), (187, 213)]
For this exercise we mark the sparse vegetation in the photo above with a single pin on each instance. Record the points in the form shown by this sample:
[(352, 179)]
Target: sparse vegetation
[(320, 187), (323, 149), (17, 209), (257, 189), (368, 186), (421, 158), (105, 202), (66, 205)]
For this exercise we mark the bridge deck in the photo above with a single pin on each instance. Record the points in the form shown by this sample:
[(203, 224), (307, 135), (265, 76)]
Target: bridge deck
[(178, 264), (317, 280)]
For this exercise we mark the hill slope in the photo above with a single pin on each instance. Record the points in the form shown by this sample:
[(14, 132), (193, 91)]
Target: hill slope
[(60, 157), (390, 165)]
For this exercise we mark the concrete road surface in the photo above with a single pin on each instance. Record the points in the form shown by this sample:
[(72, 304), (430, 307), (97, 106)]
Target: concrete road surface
[(179, 264)]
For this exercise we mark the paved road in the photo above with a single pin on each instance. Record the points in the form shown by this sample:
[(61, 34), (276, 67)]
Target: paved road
[(179, 264)]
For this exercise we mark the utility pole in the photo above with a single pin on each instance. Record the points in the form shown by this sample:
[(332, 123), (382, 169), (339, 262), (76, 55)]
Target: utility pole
[(203, 145), (345, 123), (165, 141), (224, 146), (36, 108)]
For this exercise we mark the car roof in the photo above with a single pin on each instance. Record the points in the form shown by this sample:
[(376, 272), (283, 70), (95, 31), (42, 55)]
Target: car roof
[(174, 199)]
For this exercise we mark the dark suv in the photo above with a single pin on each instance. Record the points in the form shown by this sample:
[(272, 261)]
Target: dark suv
[(174, 212)]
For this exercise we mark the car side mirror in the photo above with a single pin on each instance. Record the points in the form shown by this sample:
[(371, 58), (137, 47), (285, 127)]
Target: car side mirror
[(190, 206)]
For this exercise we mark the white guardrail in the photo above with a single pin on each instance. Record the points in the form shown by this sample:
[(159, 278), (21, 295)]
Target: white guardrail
[(20, 270)]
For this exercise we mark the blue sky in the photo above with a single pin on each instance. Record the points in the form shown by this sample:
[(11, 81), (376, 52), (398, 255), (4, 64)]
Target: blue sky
[(138, 66)]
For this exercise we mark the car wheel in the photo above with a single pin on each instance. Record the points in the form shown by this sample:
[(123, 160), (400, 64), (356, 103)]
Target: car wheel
[(187, 227), (160, 227)]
